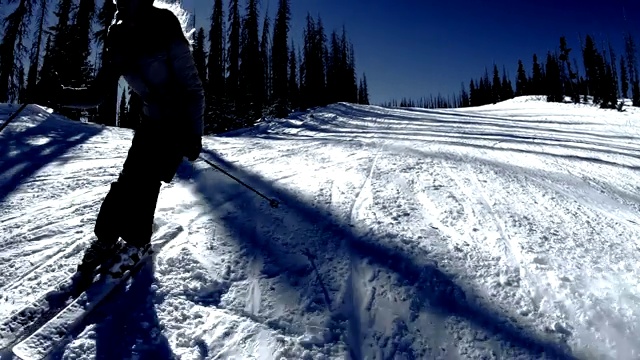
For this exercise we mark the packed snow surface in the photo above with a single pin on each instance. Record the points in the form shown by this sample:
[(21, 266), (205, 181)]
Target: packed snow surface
[(503, 231)]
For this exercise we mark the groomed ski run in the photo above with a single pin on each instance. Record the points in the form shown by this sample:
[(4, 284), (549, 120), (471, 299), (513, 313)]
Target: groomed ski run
[(502, 231)]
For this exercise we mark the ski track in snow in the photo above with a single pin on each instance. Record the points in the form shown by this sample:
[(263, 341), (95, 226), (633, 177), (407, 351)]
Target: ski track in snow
[(490, 232)]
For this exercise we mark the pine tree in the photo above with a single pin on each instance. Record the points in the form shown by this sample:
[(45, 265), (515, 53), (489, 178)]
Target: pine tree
[(301, 75), (632, 67), (79, 43), (609, 90), (280, 58), (12, 50), (521, 80), (216, 119), (351, 79), (21, 80), (480, 92), (233, 57), (488, 88), (36, 54), (593, 65), (364, 98), (567, 75), (61, 41), (122, 112), (306, 89), (107, 111), (473, 94), (22, 90), (265, 49), (251, 79), (579, 82), (589, 64), (506, 86), (537, 78), (554, 79), (630, 53), (313, 90), (464, 97), (200, 55), (341, 79), (496, 86), (45, 78), (348, 81), (294, 91), (624, 78), (321, 53), (614, 72), (334, 73)]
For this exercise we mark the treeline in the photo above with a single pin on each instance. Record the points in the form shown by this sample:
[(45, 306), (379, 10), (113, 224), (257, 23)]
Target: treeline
[(58, 53), (604, 79), (432, 102), (249, 70)]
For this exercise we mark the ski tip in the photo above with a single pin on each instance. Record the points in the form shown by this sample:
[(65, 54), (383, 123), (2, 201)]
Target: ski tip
[(22, 353)]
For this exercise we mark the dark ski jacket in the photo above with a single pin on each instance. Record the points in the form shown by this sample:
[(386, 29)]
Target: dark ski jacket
[(155, 59)]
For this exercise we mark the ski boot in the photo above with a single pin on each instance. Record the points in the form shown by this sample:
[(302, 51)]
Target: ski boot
[(98, 255), (129, 256)]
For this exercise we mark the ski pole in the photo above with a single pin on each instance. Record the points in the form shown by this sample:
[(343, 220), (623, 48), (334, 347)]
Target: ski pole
[(13, 116), (272, 202)]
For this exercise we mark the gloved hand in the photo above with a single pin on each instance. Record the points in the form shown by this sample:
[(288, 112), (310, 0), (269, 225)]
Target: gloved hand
[(192, 147)]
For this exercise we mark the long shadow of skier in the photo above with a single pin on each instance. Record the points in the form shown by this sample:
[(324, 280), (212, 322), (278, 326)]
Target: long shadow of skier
[(22, 152), (274, 234)]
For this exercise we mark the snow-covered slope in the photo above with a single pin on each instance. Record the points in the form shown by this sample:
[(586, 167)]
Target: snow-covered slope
[(503, 231)]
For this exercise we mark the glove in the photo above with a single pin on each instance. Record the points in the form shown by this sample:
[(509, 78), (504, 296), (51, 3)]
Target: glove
[(192, 147)]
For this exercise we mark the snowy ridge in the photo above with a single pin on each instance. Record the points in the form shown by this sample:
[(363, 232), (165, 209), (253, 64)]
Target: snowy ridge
[(503, 231)]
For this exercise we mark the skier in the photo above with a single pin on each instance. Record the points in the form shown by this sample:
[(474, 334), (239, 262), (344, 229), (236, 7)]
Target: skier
[(146, 46)]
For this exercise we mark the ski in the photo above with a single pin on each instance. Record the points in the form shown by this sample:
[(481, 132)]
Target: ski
[(33, 315), (47, 338)]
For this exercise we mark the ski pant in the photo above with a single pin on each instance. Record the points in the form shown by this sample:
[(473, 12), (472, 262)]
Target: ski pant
[(129, 207)]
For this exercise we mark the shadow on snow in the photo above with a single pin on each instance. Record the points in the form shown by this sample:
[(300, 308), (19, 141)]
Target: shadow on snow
[(127, 324), (299, 224), (21, 159)]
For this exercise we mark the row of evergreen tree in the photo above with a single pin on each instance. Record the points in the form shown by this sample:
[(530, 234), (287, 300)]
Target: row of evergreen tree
[(248, 76), (59, 54), (603, 82), (247, 72), (432, 102)]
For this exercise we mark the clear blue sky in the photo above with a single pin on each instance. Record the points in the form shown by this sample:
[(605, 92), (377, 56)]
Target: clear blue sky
[(414, 48)]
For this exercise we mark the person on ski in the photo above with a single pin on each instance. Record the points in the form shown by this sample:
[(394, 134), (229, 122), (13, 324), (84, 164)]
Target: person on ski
[(146, 46)]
